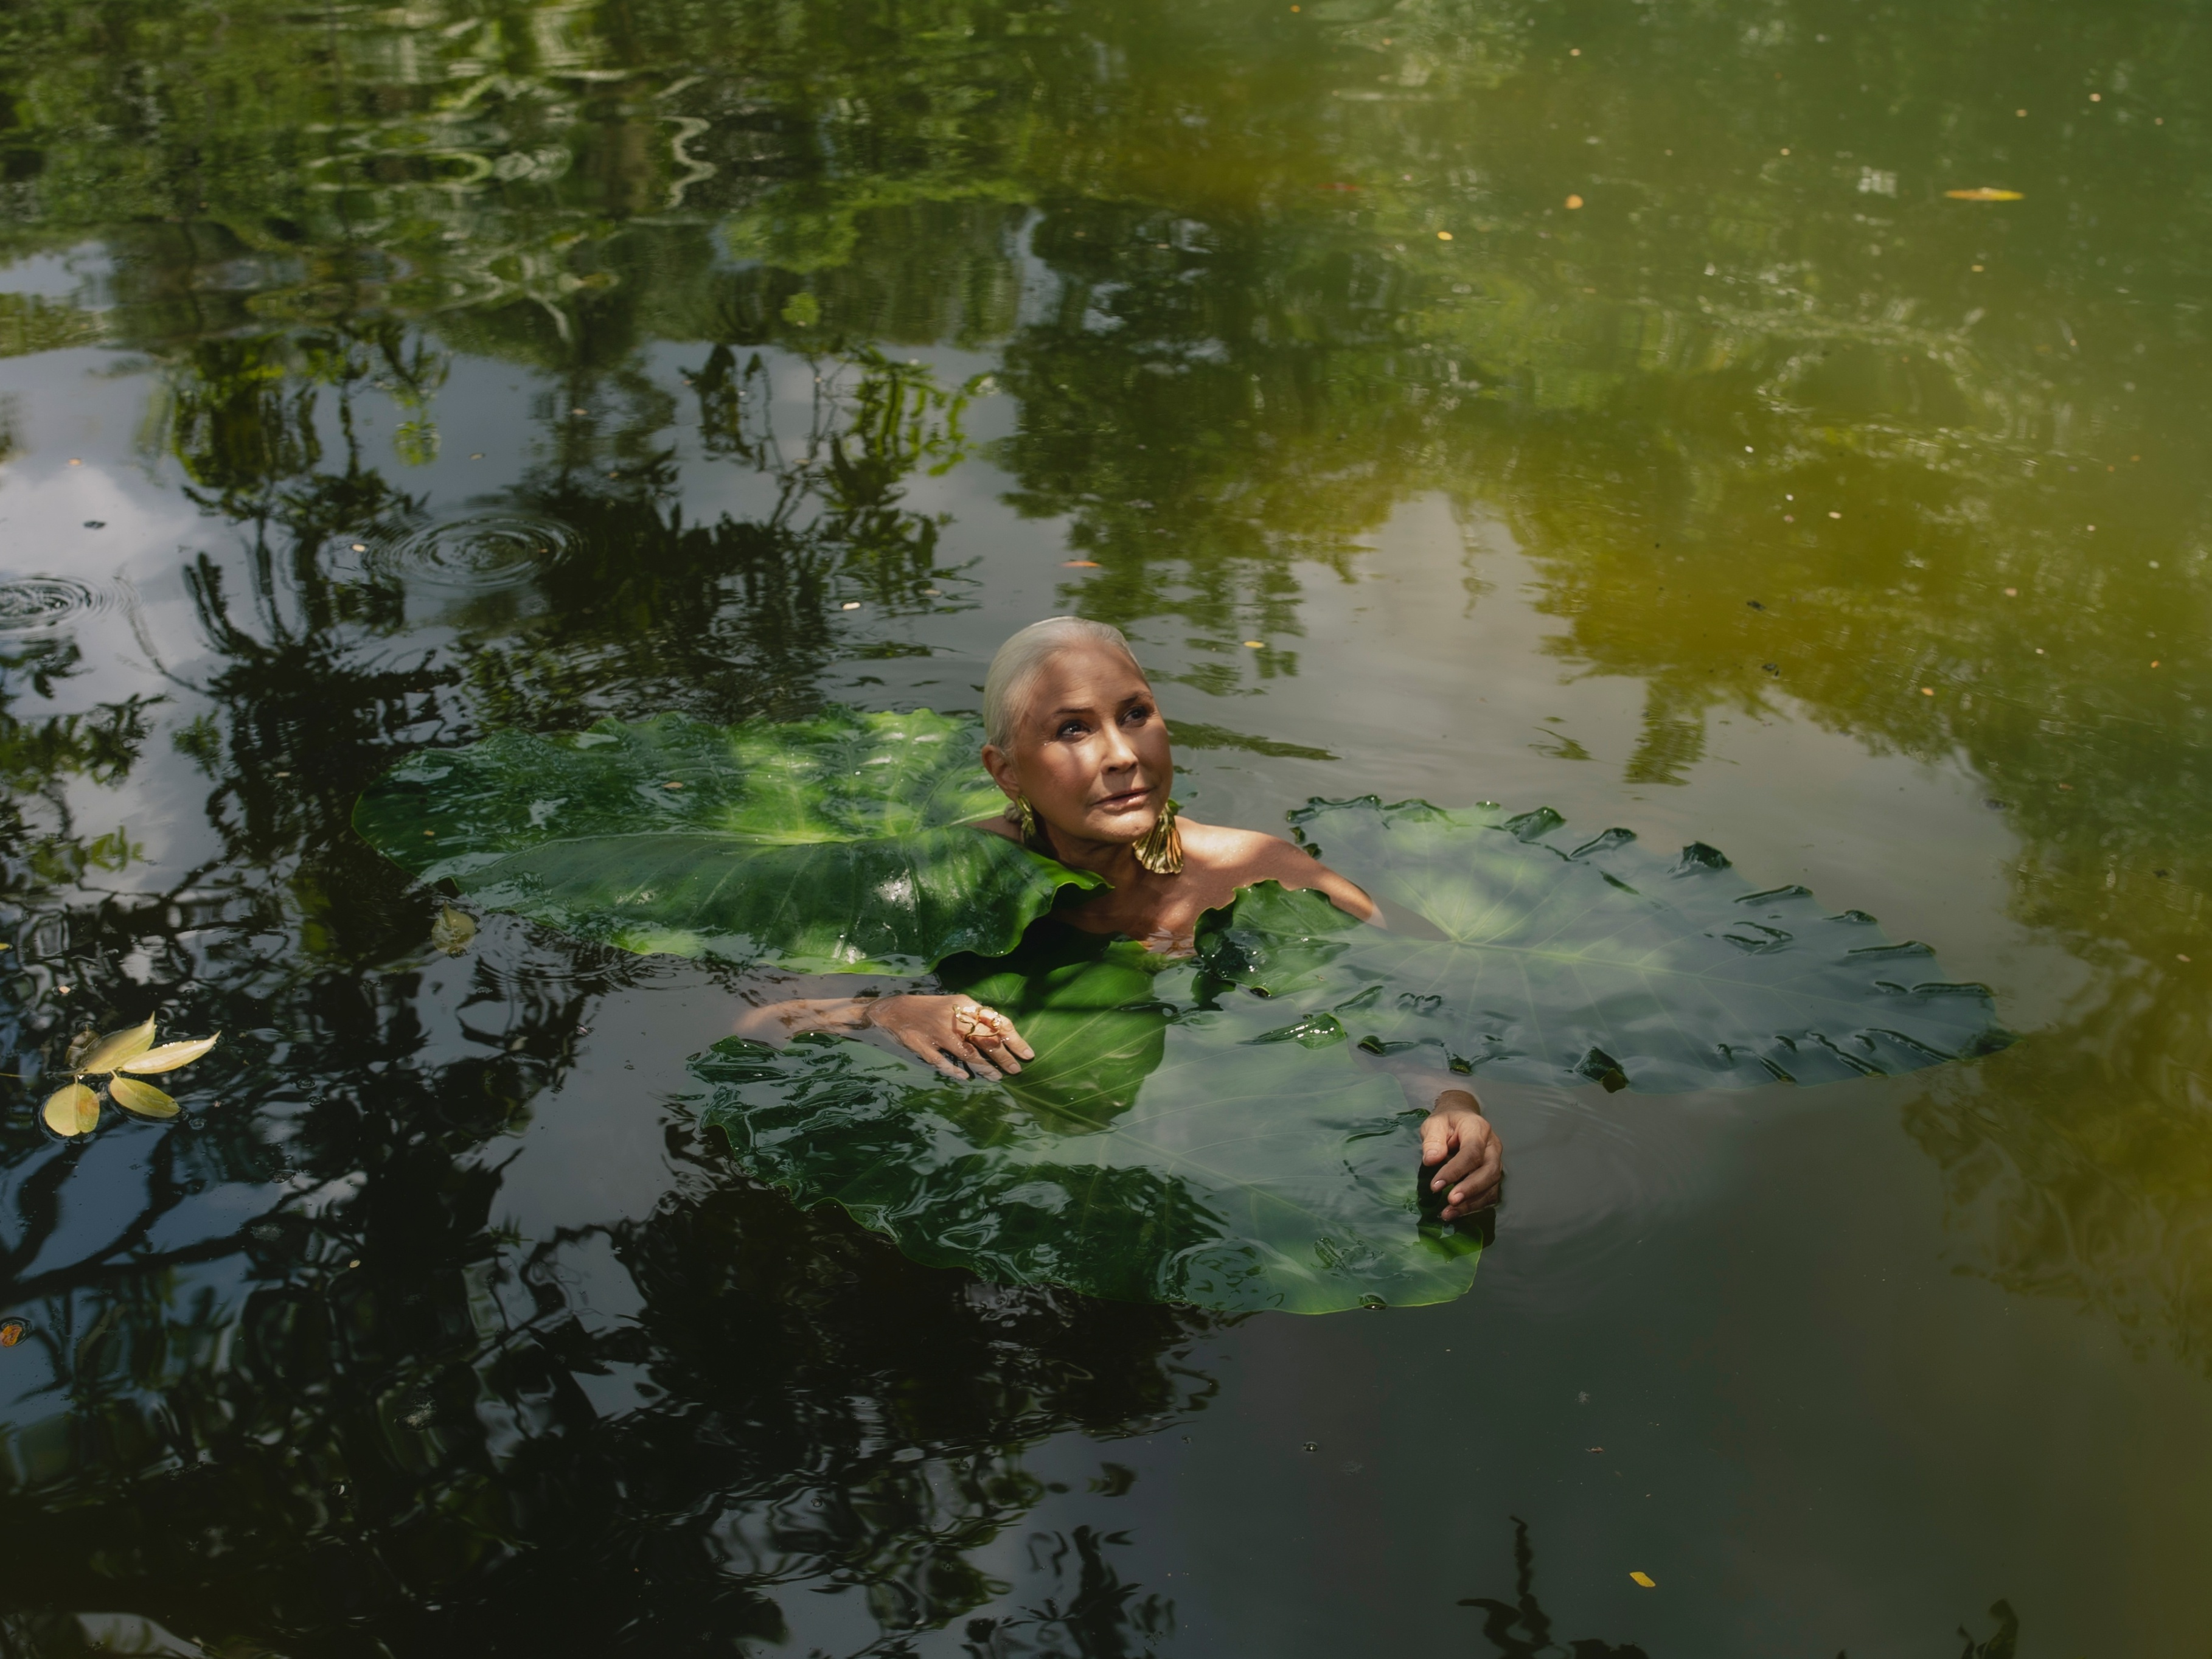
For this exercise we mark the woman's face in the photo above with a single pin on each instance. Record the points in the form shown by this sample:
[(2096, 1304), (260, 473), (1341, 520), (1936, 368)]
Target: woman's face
[(1090, 751)]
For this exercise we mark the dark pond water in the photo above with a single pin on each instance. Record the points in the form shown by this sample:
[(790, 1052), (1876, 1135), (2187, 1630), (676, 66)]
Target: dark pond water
[(1577, 402)]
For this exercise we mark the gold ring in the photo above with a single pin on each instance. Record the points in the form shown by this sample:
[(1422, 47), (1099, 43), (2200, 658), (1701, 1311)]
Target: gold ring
[(971, 1021)]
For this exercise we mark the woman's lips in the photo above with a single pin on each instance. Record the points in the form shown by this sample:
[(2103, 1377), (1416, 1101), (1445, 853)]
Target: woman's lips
[(1123, 802)]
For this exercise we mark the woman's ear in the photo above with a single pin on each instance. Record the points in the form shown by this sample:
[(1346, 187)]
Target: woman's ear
[(1001, 770)]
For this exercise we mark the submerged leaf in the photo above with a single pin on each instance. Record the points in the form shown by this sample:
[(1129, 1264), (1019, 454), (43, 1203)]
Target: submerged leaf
[(170, 1055), (836, 844), (143, 1098), (105, 1055), (1158, 1149), (452, 931), (1985, 194), (1530, 958), (71, 1110), (1177, 1141)]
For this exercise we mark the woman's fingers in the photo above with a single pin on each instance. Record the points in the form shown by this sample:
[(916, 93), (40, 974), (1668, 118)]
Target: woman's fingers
[(1000, 1042), (926, 1051), (1476, 1185), (1013, 1039), (973, 1057), (1475, 1151)]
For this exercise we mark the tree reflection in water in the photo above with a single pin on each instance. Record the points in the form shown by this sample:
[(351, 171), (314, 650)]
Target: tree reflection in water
[(1203, 253)]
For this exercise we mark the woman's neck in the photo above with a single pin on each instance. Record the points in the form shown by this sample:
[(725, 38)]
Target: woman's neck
[(1115, 861)]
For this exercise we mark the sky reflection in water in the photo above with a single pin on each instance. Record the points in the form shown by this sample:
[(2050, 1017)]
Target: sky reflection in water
[(377, 380)]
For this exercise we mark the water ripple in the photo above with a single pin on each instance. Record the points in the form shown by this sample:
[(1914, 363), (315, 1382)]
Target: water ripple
[(31, 603), (474, 553)]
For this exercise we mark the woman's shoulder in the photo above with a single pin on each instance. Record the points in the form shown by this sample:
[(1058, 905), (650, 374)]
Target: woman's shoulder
[(1244, 858), (1252, 855)]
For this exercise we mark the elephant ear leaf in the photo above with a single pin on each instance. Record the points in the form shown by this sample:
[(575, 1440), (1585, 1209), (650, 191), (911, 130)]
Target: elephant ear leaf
[(1158, 1151), (1515, 950), (834, 844)]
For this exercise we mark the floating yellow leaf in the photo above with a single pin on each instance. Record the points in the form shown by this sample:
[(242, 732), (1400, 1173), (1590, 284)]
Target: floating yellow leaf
[(1984, 193), (143, 1098), (453, 929), (12, 1332), (170, 1055), (111, 1050), (1645, 1579), (71, 1110)]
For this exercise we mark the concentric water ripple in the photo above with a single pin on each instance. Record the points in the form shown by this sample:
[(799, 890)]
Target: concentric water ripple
[(474, 553), (31, 603)]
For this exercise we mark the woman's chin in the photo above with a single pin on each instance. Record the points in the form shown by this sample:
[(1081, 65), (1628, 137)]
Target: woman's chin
[(1128, 827)]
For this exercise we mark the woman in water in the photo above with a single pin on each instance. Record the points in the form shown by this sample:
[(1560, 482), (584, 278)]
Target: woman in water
[(1076, 740)]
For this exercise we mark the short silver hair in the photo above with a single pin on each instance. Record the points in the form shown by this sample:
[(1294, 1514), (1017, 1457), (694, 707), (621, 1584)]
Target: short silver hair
[(1022, 657)]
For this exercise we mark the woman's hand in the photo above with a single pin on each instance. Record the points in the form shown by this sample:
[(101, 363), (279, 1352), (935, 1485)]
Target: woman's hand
[(1456, 1135), (943, 1029)]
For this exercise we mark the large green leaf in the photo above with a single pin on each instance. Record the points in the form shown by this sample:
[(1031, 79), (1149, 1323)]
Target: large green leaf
[(834, 844), (1514, 952), (1164, 1147)]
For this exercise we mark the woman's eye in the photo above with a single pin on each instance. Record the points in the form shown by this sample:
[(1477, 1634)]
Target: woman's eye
[(1073, 729), (1138, 715)]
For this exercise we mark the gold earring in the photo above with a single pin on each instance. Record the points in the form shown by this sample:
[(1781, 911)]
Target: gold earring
[(1160, 849), (1023, 817)]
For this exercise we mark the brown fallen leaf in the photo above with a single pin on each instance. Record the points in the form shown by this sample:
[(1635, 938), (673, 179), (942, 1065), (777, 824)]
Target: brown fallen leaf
[(12, 1332), (1985, 194)]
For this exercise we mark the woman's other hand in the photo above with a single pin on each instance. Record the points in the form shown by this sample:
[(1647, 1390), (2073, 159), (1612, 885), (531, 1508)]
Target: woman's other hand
[(944, 1030), (1456, 1135)]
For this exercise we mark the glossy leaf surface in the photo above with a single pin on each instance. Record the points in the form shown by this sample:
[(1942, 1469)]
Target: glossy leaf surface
[(1517, 951), (143, 1098), (835, 844), (114, 1049), (169, 1057), (71, 1110), (1160, 1149)]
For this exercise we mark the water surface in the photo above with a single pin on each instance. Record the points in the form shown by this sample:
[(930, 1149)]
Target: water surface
[(1597, 405)]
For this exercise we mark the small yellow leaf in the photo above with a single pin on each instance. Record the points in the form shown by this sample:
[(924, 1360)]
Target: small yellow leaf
[(1984, 193), (12, 1332), (121, 1046), (1574, 201), (1645, 1579), (452, 931), (143, 1098), (71, 1110), (170, 1055)]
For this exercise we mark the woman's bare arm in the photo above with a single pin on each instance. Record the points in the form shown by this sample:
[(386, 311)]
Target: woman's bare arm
[(949, 1032)]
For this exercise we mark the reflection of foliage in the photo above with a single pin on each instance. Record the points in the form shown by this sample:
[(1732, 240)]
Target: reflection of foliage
[(38, 757), (1206, 246), (1521, 1629)]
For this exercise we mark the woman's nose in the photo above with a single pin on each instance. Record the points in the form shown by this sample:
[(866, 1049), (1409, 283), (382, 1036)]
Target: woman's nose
[(1120, 753)]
